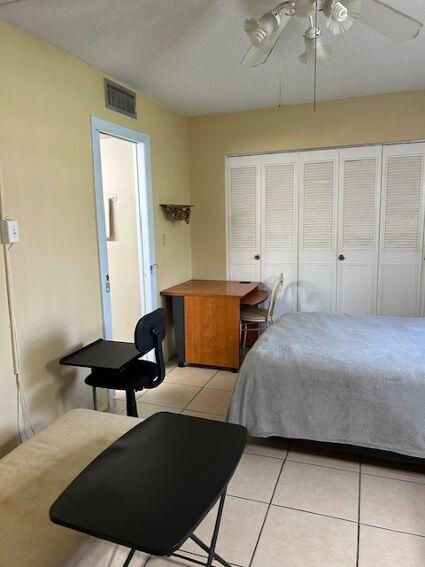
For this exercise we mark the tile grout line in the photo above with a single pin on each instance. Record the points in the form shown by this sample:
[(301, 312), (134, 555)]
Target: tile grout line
[(204, 387), (309, 512), (292, 460), (268, 507), (324, 466), (391, 530), (394, 478), (205, 556), (197, 393), (185, 385), (302, 510), (180, 411), (216, 389), (358, 514), (261, 455)]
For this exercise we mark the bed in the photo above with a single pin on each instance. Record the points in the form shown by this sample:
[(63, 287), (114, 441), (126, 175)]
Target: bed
[(32, 477), (341, 379)]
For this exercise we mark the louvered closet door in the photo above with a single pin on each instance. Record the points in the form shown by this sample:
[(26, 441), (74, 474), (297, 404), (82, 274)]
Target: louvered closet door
[(358, 229), (243, 210), (402, 223), (317, 249), (279, 226)]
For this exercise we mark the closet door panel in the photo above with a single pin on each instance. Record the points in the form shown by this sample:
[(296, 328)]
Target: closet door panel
[(402, 224), (399, 293), (357, 284), (358, 229), (318, 222), (317, 286), (243, 217), (244, 272), (280, 226)]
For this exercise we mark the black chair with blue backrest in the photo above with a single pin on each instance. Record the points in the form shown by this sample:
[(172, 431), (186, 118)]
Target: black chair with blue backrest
[(140, 374)]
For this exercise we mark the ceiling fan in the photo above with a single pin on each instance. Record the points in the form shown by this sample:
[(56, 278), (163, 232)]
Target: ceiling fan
[(339, 17)]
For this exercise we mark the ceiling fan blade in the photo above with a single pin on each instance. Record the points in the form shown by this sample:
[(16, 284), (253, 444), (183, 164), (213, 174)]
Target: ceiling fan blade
[(390, 22), (259, 55)]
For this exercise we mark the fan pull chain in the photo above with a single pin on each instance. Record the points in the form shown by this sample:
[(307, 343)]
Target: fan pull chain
[(280, 73), (315, 57)]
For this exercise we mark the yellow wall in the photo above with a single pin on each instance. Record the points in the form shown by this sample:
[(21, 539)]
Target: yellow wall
[(385, 118), (46, 100)]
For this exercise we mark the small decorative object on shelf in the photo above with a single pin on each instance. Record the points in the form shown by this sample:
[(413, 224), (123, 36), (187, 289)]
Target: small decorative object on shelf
[(177, 212)]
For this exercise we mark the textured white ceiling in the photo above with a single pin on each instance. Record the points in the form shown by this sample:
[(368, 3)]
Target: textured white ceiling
[(186, 53)]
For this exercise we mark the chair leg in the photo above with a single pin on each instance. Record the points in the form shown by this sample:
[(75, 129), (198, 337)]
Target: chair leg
[(94, 398), (131, 402)]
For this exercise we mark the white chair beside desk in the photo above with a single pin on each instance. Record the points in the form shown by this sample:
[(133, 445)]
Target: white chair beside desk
[(259, 318)]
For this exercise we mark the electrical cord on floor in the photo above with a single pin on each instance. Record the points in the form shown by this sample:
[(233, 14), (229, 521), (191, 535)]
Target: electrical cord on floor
[(25, 426)]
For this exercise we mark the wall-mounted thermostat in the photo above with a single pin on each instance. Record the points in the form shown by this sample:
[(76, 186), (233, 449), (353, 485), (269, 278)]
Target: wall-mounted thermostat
[(9, 231)]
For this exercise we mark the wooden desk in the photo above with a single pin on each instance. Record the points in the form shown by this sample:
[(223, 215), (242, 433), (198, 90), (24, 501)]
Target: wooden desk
[(207, 321), (255, 298)]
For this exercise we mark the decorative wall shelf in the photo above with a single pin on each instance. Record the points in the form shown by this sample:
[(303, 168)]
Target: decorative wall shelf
[(177, 212)]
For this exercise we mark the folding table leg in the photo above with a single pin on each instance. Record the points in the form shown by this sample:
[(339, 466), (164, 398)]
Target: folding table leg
[(216, 530), (211, 550), (129, 558)]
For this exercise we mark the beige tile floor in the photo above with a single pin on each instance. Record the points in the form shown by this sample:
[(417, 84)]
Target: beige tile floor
[(294, 505)]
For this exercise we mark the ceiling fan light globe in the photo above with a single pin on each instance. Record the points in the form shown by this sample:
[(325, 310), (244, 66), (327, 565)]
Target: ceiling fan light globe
[(257, 37), (259, 30), (340, 16), (339, 12), (314, 49), (269, 22), (339, 27), (254, 32)]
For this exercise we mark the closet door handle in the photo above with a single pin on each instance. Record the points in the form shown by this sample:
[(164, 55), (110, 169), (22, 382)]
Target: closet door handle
[(257, 256), (341, 257)]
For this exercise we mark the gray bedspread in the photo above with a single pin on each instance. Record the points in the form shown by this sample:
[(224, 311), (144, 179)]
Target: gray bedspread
[(355, 380)]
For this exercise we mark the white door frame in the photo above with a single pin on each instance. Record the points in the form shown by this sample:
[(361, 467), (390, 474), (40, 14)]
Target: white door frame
[(144, 218)]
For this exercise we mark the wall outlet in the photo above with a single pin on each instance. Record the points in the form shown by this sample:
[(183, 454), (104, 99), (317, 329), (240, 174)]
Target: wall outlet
[(9, 231)]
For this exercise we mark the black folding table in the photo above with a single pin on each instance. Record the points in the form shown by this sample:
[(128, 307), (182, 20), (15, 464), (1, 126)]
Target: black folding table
[(151, 489), (110, 355)]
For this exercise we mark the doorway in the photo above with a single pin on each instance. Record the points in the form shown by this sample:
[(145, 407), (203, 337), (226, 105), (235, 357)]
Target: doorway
[(122, 170)]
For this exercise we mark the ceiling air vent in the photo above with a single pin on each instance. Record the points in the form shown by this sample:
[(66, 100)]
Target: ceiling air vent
[(120, 99)]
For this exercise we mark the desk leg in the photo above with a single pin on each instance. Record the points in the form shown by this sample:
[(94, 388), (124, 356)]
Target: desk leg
[(179, 330)]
